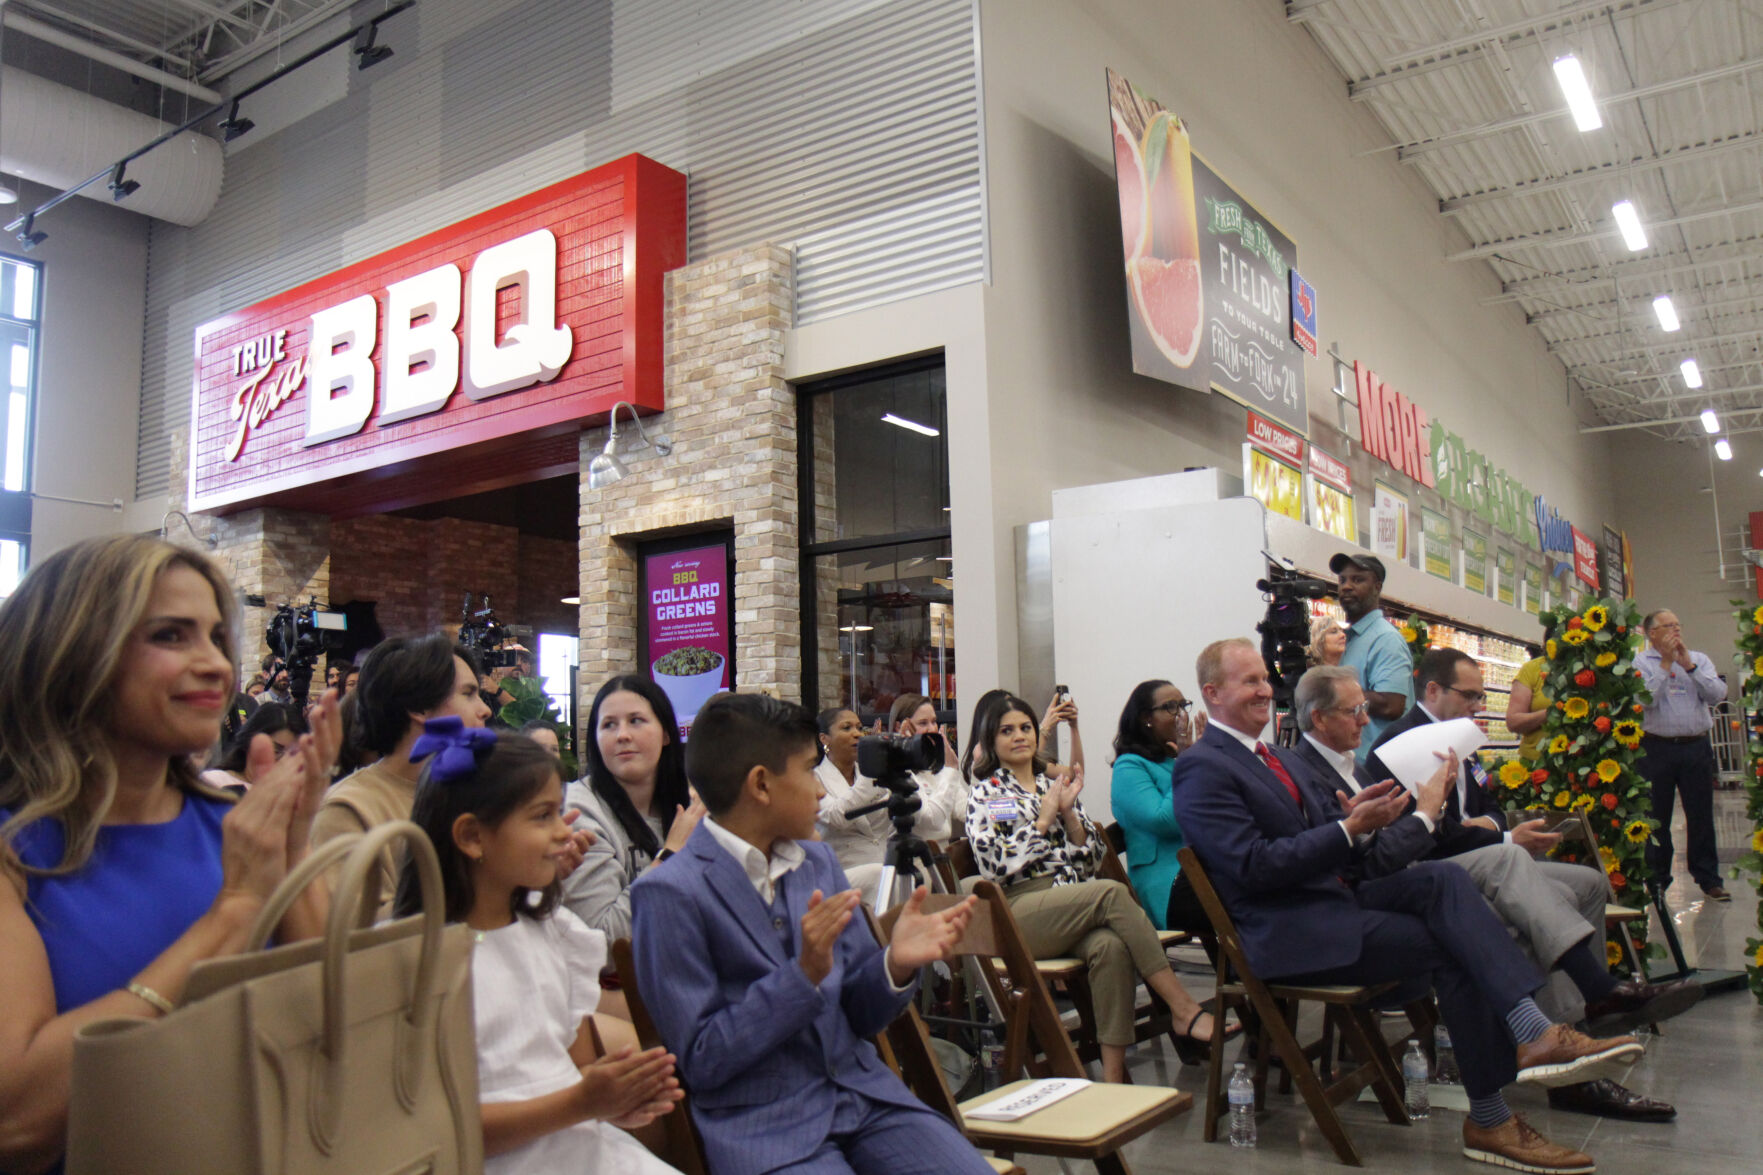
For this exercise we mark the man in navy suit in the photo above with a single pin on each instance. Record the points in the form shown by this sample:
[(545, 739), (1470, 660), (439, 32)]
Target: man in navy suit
[(762, 982), (1284, 870), (1557, 909)]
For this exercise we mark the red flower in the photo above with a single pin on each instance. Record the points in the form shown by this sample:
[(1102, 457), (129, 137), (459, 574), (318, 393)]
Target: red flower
[(1602, 724), (1576, 622), (1618, 881), (1585, 679), (1638, 707), (1609, 801), (1621, 629), (1603, 705), (1540, 775)]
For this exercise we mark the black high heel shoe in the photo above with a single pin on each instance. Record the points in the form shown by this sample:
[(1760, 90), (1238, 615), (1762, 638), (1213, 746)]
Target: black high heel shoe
[(1193, 1051)]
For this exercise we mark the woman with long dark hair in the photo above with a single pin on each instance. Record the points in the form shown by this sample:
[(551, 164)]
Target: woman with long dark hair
[(1154, 729), (635, 800), (233, 771)]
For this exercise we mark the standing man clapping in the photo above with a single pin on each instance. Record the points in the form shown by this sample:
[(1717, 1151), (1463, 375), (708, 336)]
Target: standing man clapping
[(1678, 755)]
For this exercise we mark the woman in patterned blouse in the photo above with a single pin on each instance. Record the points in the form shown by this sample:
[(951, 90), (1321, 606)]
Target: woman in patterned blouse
[(1030, 835)]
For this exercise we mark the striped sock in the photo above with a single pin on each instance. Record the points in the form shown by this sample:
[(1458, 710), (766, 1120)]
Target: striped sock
[(1489, 1112), (1527, 1021)]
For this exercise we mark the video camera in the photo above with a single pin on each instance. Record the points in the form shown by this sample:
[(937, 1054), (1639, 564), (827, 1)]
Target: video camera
[(299, 636), (891, 760), (1285, 629), (484, 635), (887, 758)]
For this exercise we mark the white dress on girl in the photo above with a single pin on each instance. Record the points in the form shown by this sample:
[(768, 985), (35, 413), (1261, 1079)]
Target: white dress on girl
[(533, 981)]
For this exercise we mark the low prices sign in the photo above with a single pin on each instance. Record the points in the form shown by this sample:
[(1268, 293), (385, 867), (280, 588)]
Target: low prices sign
[(691, 609), (1274, 461), (465, 360), (1331, 496), (1585, 558)]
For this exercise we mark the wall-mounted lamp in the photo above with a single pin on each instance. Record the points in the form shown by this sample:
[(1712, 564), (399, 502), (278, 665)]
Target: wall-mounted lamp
[(208, 541), (235, 125), (367, 53), (607, 468), (122, 188)]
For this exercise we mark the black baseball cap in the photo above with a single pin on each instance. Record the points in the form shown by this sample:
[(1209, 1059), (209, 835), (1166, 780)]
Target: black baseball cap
[(1369, 563)]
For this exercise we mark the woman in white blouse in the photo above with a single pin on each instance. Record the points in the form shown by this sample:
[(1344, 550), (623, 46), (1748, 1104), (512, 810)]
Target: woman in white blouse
[(1030, 835)]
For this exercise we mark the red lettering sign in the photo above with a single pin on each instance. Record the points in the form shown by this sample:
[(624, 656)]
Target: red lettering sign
[(1269, 437), (1392, 427), (1325, 468), (1370, 411), (1585, 558), (466, 360)]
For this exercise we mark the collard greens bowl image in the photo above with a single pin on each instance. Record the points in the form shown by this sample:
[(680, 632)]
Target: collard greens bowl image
[(690, 676)]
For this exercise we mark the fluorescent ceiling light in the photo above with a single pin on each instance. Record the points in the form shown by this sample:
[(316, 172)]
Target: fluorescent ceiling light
[(1666, 312), (1629, 221), (1692, 375), (575, 600), (913, 425), (858, 628), (1578, 92), (1710, 422), (1722, 449)]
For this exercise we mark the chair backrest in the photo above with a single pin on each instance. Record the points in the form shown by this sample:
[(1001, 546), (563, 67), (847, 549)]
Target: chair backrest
[(1021, 993), (682, 1146), (1230, 954), (961, 862), (1112, 867), (1575, 829), (1116, 838)]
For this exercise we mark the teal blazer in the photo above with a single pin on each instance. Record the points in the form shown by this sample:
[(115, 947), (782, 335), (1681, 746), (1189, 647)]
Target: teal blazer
[(1139, 793)]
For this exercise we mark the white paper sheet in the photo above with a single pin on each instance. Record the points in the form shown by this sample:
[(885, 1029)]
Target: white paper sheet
[(1036, 1095), (1411, 757)]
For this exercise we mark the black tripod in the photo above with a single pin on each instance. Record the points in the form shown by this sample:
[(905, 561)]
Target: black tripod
[(906, 851)]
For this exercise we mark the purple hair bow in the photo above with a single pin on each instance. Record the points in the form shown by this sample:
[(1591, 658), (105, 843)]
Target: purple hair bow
[(457, 749)]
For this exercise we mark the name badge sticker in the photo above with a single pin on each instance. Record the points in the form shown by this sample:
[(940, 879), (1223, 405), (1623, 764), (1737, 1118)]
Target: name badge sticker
[(1481, 776), (1002, 810)]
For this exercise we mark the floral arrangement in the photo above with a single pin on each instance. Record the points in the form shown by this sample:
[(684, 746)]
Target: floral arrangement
[(1750, 659), (1591, 740), (1418, 636)]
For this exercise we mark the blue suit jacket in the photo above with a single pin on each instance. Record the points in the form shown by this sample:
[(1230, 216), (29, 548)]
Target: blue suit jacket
[(1391, 848), (762, 1052), (1454, 836), (1277, 870)]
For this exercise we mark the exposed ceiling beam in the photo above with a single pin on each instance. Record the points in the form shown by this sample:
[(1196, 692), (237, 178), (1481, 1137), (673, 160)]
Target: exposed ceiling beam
[(1688, 344), (110, 35), (1410, 151), (269, 41), (1528, 27), (214, 12), (1639, 306), (1607, 171), (1640, 326), (49, 34), (1560, 238), (1663, 421), (1746, 249)]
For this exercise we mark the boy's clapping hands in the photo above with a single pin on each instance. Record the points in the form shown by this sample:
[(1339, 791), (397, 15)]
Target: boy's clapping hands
[(921, 938)]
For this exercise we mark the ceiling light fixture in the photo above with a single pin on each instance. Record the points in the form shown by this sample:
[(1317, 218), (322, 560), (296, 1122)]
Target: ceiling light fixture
[(366, 50), (572, 601), (1578, 93), (606, 468), (858, 628), (1723, 449), (1666, 312), (121, 188), (1710, 422), (8, 194), (28, 235), (235, 125), (913, 425), (1629, 221), (1692, 374)]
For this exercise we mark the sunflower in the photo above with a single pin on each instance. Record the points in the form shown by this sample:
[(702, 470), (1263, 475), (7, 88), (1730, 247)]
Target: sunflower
[(1608, 857), (1760, 954), (1757, 616), (1596, 617), (1627, 732), (1578, 708), (1513, 774), (1558, 745), (1613, 953), (1637, 831), (1576, 636), (1582, 802), (1410, 634), (1757, 666), (1757, 840), (1550, 648), (1563, 798), (1608, 770), (1605, 660)]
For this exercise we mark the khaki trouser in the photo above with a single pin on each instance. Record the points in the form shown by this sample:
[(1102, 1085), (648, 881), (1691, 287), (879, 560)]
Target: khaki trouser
[(1101, 923)]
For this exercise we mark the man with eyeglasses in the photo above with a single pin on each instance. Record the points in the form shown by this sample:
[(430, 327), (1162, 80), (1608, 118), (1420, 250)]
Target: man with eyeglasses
[(1557, 909), (1678, 756)]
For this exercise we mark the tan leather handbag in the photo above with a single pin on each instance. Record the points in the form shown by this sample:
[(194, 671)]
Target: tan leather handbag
[(354, 1053)]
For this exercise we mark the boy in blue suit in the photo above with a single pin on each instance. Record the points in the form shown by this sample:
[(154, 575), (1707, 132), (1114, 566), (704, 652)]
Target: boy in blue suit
[(764, 983)]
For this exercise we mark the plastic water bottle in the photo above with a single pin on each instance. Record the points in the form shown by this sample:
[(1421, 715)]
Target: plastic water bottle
[(1414, 1078), (1444, 1057), (1242, 1107)]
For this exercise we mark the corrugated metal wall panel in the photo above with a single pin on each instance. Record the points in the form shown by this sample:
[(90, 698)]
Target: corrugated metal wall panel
[(847, 129)]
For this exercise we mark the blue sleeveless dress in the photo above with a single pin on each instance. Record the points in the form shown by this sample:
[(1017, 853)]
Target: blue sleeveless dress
[(145, 885)]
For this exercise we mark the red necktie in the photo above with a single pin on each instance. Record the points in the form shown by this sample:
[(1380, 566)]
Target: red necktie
[(1278, 768)]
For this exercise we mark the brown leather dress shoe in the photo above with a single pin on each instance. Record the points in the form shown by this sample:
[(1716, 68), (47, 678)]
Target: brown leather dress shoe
[(1717, 894), (1606, 1099), (1515, 1144), (1633, 1004), (1562, 1056)]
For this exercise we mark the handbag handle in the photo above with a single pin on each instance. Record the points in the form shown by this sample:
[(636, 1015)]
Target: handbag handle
[(325, 1103), (294, 884)]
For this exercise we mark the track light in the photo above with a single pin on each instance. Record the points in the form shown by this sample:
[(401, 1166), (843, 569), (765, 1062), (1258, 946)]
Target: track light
[(1722, 449), (606, 468), (1578, 92), (1692, 375), (121, 188), (1710, 422), (1666, 313), (235, 125), (1629, 222), (28, 236), (368, 53)]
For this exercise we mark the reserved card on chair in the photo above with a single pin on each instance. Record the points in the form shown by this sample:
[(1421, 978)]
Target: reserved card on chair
[(1036, 1095)]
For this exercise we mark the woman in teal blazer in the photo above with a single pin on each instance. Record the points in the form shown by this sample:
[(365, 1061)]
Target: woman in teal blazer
[(1154, 728)]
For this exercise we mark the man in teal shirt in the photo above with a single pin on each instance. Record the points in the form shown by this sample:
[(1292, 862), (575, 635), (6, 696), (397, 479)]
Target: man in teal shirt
[(1374, 647)]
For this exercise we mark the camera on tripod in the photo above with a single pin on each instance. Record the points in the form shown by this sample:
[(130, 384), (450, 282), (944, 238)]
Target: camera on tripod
[(1285, 629), (299, 636), (484, 635), (888, 757), (891, 760)]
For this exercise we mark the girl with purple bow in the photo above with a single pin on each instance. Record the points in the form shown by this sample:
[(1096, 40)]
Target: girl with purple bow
[(493, 806)]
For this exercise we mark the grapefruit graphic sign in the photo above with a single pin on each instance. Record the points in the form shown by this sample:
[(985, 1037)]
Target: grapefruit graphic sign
[(1208, 277)]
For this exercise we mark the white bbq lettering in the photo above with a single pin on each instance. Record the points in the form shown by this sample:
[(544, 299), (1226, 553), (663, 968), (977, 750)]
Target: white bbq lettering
[(435, 296), (339, 359), (537, 347)]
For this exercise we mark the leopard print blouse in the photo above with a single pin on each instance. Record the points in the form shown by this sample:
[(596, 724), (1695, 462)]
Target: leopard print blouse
[(1007, 846)]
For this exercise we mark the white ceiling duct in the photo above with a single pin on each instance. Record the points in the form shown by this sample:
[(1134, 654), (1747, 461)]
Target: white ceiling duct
[(57, 136)]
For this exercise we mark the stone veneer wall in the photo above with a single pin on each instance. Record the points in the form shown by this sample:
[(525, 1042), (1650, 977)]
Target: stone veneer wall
[(732, 419)]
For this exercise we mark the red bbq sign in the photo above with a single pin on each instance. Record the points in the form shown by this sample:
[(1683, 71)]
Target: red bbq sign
[(463, 361)]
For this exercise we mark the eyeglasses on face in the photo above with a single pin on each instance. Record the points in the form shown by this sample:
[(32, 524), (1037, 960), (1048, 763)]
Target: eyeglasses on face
[(1474, 696), (1359, 711), (1177, 707)]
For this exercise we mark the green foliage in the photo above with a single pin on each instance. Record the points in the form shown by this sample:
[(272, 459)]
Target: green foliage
[(1418, 636), (530, 702), (1749, 618)]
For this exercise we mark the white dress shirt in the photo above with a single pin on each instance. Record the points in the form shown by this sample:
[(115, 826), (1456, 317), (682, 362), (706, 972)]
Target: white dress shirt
[(1251, 743), (1344, 764), (1462, 781)]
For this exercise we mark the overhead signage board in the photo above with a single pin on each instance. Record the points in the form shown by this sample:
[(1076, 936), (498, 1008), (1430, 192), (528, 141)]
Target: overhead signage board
[(1533, 588), (1273, 463), (1207, 274), (1585, 558), (1303, 314), (1331, 496), (1615, 575), (1389, 515), (1392, 427), (1435, 544), (1475, 561), (1506, 565), (464, 360), (689, 625)]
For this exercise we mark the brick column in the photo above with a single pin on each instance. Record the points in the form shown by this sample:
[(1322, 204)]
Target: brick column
[(732, 418)]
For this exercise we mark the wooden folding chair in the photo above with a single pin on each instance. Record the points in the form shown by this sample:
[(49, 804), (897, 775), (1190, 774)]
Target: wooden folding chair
[(1617, 916), (1274, 1007), (1093, 1124), (681, 1147)]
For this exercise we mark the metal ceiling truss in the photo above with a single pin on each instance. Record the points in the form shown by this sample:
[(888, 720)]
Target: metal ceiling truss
[(1604, 174)]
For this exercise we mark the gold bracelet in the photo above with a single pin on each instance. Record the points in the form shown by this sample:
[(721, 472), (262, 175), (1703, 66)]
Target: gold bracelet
[(148, 996)]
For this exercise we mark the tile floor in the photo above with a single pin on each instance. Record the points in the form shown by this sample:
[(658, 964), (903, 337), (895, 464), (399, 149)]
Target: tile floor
[(1708, 1063)]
